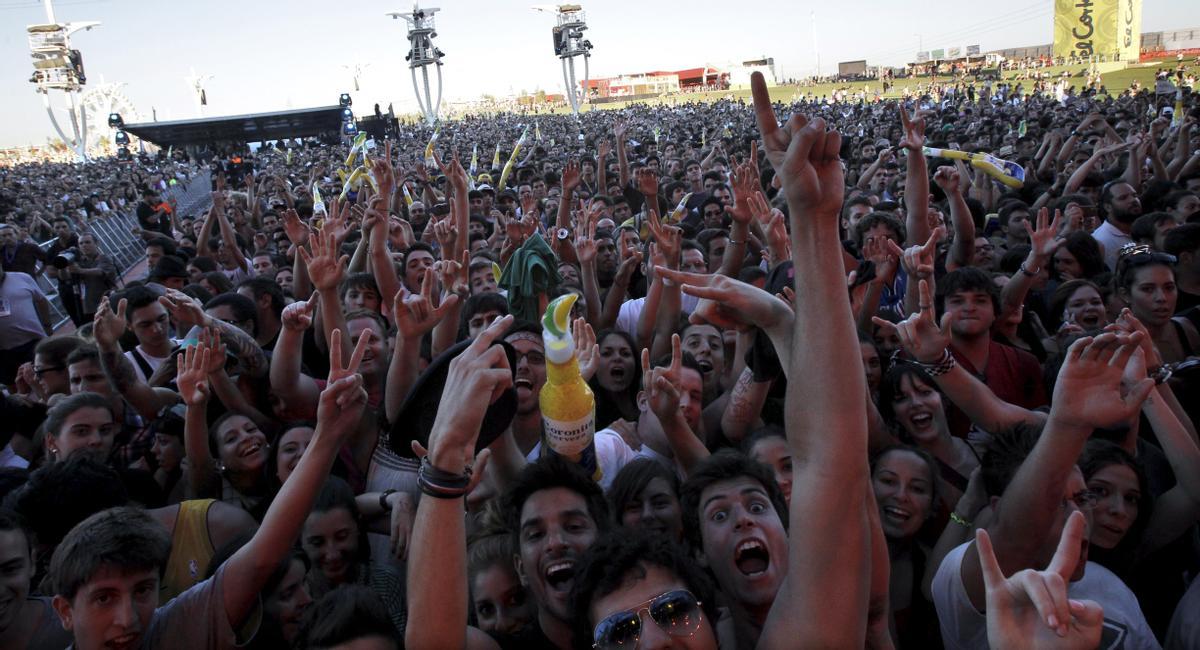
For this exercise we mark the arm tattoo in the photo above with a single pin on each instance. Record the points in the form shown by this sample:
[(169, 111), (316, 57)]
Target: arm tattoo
[(741, 407), (253, 359), (119, 369)]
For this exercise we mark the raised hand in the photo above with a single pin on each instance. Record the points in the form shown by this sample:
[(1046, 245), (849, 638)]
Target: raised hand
[(108, 327), (186, 311), (445, 230), (647, 182), (479, 370), (1128, 323), (1088, 391), (1032, 609), (948, 179), (454, 172), (626, 268), (296, 230), (453, 275), (401, 525), (585, 241), (325, 268), (728, 303), (400, 234), (586, 350), (662, 384), (1045, 238), (385, 175), (918, 261), (415, 314), (214, 360), (570, 176), (192, 375), (914, 132), (298, 316), (804, 155), (885, 255), (745, 188), (341, 403), (920, 335), (668, 238)]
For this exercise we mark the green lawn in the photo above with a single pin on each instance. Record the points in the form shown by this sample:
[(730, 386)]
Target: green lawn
[(1115, 82)]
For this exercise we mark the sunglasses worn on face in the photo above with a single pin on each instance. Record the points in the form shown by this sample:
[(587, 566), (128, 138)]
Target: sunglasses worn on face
[(676, 612)]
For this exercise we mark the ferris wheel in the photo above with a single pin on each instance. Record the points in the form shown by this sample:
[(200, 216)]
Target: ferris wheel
[(101, 101)]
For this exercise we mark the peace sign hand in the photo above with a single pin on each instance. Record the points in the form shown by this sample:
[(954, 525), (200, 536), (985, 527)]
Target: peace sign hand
[(341, 403), (1032, 609), (919, 334), (914, 132), (662, 384)]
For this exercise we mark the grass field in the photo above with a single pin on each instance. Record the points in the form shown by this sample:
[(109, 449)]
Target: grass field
[(1115, 82)]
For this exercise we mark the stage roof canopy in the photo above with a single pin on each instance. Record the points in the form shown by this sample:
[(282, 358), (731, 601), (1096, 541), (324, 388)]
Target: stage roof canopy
[(256, 127)]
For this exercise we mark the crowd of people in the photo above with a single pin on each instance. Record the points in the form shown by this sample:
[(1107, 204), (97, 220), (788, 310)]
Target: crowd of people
[(846, 394)]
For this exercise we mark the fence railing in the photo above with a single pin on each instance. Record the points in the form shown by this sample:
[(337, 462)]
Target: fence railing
[(114, 238)]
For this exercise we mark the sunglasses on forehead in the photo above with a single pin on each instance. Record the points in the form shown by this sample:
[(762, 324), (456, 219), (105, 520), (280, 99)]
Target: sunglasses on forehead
[(1142, 254), (676, 612)]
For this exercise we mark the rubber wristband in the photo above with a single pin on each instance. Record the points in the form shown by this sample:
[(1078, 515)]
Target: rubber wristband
[(958, 519)]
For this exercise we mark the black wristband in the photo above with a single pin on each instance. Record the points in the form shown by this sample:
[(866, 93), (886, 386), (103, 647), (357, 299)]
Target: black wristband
[(383, 497)]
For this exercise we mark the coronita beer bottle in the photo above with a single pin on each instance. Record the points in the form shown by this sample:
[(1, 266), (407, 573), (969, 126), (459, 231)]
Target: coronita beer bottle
[(568, 405)]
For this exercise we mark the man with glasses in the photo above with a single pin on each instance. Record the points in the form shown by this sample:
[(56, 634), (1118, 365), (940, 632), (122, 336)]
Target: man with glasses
[(24, 320)]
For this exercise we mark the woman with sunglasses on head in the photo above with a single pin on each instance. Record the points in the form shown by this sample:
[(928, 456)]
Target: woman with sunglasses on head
[(1139, 515), (1145, 280), (633, 590)]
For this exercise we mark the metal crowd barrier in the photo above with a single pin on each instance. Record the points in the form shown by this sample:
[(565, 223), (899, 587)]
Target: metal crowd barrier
[(115, 238)]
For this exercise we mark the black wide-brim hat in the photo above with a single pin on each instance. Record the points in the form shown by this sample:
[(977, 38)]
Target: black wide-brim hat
[(420, 409)]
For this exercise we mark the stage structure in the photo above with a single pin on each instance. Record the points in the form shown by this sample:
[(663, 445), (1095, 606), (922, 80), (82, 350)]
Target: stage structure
[(569, 45), (421, 55), (59, 67)]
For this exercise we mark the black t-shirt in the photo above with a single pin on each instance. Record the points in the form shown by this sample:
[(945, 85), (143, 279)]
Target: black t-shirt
[(152, 220)]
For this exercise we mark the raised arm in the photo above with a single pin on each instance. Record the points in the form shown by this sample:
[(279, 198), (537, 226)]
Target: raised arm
[(622, 155), (415, 317), (1087, 395), (107, 329), (664, 396), (826, 426), (962, 246), (437, 575), (338, 413), (295, 391), (192, 379), (916, 180), (1044, 242)]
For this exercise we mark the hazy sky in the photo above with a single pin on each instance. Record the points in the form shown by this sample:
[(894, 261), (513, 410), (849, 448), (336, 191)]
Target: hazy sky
[(266, 56)]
